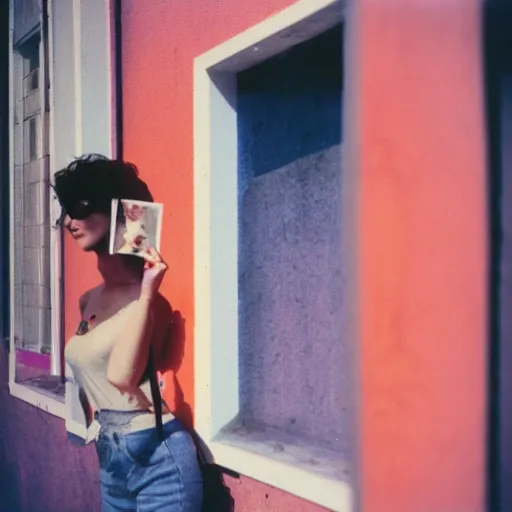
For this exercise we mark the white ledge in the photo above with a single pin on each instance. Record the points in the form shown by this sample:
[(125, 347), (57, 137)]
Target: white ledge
[(254, 458), (48, 402)]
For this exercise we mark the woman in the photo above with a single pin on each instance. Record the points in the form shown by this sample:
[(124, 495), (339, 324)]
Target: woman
[(143, 468)]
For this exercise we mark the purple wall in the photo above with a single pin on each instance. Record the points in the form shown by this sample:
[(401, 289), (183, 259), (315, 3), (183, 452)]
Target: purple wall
[(40, 470)]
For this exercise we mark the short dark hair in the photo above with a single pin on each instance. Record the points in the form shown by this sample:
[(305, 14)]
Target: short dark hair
[(99, 179)]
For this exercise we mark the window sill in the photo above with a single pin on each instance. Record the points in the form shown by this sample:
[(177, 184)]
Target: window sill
[(286, 466), (51, 403)]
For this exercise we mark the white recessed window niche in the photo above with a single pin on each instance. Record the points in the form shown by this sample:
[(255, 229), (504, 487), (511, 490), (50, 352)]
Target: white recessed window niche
[(273, 380)]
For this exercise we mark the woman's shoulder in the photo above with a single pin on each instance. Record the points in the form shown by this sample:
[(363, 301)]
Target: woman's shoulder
[(86, 297)]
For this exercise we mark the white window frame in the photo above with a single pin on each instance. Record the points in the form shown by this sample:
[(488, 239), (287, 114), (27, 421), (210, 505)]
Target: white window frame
[(216, 255), (88, 112)]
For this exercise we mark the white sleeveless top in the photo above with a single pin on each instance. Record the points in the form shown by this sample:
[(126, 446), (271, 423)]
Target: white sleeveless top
[(88, 356)]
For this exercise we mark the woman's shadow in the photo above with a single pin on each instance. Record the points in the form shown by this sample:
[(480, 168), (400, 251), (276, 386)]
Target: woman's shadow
[(217, 496)]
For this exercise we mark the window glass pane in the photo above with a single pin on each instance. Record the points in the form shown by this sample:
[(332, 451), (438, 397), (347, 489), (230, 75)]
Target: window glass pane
[(32, 261), (30, 53), (32, 139), (32, 291), (32, 287), (33, 81), (31, 64)]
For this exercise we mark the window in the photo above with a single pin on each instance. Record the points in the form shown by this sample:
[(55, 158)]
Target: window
[(62, 77), (34, 294), (273, 384), (31, 217)]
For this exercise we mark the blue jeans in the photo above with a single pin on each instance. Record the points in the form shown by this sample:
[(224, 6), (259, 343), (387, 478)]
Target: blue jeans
[(141, 473)]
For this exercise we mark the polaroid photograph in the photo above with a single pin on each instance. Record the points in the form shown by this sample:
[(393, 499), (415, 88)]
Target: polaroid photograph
[(135, 226)]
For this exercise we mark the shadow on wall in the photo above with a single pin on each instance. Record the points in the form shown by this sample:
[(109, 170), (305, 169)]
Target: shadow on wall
[(289, 106), (169, 358)]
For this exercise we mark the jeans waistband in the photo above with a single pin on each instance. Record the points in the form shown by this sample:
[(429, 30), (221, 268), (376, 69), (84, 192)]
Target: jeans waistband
[(109, 418), (121, 422)]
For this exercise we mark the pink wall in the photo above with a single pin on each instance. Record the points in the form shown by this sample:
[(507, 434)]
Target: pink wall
[(422, 263)]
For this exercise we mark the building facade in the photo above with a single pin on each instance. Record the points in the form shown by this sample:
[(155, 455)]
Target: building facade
[(323, 170)]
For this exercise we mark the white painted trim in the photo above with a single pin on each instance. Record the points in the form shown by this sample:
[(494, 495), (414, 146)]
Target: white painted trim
[(216, 253), (95, 70), (112, 42), (12, 351), (332, 494), (57, 304), (202, 286), (216, 248), (257, 37), (77, 61), (39, 399), (76, 428)]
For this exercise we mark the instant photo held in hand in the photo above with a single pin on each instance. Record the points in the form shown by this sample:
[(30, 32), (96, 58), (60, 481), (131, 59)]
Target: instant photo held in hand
[(135, 226)]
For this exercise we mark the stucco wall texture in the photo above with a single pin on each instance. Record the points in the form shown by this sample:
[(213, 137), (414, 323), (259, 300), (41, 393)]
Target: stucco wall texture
[(292, 371)]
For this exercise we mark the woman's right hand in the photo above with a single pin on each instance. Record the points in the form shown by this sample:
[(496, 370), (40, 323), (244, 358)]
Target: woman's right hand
[(154, 272)]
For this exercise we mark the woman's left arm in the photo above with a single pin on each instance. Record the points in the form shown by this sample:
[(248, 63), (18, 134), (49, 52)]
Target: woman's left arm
[(129, 356)]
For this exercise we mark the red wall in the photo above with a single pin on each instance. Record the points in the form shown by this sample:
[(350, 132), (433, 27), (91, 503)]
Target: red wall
[(422, 255), (415, 70)]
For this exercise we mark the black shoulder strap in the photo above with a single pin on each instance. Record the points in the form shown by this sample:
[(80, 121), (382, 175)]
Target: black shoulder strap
[(155, 394), (157, 405)]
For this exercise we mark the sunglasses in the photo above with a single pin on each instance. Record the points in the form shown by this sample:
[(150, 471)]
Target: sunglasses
[(78, 210)]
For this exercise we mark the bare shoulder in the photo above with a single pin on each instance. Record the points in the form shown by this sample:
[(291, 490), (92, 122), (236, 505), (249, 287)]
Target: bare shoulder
[(85, 297)]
